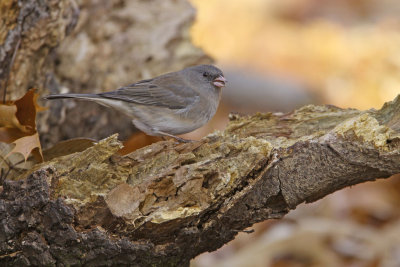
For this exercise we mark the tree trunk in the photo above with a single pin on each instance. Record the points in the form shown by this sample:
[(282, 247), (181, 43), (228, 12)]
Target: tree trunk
[(29, 32)]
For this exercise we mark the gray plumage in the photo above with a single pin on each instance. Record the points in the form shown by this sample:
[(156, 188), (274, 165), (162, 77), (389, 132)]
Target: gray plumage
[(171, 104)]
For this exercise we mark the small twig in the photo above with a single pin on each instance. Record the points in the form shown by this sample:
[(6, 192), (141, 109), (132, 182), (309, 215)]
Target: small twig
[(9, 70), (3, 175), (245, 231)]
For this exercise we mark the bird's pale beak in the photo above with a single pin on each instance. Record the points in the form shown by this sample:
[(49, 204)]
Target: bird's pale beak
[(219, 81)]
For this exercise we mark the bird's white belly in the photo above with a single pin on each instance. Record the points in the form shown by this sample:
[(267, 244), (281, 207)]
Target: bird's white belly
[(153, 120)]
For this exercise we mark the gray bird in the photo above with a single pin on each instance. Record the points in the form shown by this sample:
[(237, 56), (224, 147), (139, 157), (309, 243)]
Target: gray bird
[(168, 105)]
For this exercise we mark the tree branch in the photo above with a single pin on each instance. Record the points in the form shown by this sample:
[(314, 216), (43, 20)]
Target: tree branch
[(166, 203)]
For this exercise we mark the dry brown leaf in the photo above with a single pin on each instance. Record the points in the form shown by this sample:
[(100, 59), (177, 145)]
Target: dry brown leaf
[(27, 144), (18, 126), (26, 109), (9, 135), (68, 147), (136, 141), (8, 117)]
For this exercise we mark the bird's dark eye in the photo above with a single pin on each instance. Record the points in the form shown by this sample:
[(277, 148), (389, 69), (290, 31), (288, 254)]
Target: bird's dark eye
[(205, 74)]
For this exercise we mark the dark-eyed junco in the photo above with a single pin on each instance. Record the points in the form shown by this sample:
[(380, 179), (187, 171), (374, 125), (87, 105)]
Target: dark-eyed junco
[(168, 105)]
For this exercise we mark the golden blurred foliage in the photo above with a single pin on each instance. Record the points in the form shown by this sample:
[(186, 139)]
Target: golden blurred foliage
[(347, 51)]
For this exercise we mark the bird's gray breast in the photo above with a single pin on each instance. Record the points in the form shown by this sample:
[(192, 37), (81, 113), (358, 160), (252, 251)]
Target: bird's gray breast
[(152, 119), (205, 106)]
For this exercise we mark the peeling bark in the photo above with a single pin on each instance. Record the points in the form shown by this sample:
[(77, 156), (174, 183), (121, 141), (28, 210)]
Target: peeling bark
[(166, 203)]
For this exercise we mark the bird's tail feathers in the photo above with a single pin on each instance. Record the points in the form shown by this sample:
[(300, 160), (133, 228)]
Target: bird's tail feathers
[(113, 103), (82, 96)]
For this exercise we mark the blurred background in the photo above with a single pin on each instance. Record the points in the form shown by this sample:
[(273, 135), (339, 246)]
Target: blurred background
[(279, 55)]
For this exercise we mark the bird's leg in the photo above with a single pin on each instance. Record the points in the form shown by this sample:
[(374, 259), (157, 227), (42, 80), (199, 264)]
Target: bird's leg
[(179, 139)]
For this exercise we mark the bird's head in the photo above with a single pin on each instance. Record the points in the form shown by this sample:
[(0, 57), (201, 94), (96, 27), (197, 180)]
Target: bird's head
[(207, 73)]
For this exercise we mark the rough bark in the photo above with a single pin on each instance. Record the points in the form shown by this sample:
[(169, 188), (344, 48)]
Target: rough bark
[(29, 31), (164, 204)]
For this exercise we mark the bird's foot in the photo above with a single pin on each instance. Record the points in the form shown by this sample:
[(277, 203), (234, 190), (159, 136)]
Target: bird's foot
[(179, 139)]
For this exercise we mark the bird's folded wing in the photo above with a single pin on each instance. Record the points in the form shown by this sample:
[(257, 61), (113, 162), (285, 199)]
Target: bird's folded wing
[(163, 92)]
